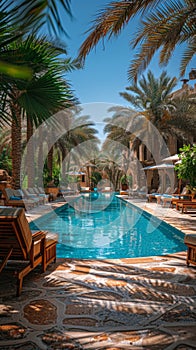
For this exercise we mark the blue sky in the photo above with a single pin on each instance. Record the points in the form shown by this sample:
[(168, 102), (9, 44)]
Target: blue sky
[(105, 71)]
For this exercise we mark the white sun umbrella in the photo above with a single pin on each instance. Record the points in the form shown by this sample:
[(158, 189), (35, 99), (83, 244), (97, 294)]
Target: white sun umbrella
[(162, 167), (173, 158)]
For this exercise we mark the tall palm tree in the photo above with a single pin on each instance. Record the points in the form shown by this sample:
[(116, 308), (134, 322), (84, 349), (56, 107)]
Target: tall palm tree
[(67, 139), (163, 25), (152, 97), (80, 132), (116, 126), (109, 161), (183, 118), (120, 141), (37, 98), (158, 115)]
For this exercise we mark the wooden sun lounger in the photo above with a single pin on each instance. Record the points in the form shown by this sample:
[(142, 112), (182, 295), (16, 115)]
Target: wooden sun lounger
[(190, 241), (176, 201), (9, 194), (185, 205), (19, 244)]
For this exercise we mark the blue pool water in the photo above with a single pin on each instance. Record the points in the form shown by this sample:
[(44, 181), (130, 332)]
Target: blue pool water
[(101, 226)]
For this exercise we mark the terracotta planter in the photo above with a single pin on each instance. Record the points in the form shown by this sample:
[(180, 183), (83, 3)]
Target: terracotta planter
[(124, 187), (54, 191)]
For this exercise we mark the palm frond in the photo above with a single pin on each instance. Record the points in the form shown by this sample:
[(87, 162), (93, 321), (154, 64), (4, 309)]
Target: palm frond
[(44, 96), (170, 25), (111, 20), (34, 14), (163, 26), (187, 56)]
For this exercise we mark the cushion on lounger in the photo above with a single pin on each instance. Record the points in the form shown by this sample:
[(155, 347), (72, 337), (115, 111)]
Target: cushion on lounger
[(15, 198), (184, 197)]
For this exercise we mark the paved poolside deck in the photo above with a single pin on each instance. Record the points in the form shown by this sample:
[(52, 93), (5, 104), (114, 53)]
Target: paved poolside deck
[(144, 303)]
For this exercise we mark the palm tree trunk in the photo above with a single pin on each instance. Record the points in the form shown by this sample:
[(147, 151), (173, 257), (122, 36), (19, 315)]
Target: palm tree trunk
[(50, 161), (40, 157), (64, 153), (30, 154), (16, 145)]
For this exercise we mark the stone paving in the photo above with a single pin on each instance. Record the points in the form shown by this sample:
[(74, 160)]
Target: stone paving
[(143, 303)]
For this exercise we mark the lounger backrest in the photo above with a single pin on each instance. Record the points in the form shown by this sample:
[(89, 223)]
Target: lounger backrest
[(25, 192), (168, 190), (32, 192), (185, 191), (36, 191), (176, 190), (15, 232), (41, 190), (159, 189), (18, 193), (9, 192)]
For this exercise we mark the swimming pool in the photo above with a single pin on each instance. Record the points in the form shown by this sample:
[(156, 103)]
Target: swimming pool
[(101, 226)]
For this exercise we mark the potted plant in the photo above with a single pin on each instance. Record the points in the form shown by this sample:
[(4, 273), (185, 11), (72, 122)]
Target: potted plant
[(52, 190), (95, 178), (124, 182)]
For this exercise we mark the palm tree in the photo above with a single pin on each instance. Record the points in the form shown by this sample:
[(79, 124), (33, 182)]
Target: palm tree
[(116, 126), (158, 115), (9, 34), (163, 25), (37, 98), (183, 118), (109, 161), (152, 97), (5, 149), (32, 15), (66, 140), (78, 142), (120, 141), (19, 17)]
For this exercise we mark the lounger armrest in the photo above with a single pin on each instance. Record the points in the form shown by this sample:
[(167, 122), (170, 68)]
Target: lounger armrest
[(36, 236), (37, 247)]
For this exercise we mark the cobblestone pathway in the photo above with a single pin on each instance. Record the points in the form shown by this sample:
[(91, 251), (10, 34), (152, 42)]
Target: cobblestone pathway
[(147, 303)]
